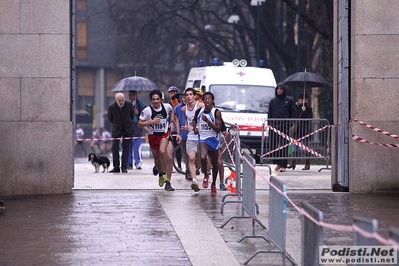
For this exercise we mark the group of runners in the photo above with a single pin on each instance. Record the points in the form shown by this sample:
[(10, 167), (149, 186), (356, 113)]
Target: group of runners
[(202, 124)]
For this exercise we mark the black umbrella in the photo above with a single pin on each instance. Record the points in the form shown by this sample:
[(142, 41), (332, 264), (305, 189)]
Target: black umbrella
[(306, 79)]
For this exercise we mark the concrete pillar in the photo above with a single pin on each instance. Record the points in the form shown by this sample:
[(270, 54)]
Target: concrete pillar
[(374, 75), (35, 125), (99, 90)]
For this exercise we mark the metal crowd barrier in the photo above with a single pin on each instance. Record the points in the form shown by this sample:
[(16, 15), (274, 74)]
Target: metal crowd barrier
[(247, 193), (231, 157), (237, 165), (312, 235), (368, 225), (394, 235), (277, 222), (300, 139)]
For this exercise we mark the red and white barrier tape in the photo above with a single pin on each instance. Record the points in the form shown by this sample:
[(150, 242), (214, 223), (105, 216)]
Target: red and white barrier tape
[(383, 132), (361, 140), (227, 147), (296, 141), (107, 139)]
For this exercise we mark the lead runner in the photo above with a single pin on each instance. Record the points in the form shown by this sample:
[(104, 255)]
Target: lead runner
[(154, 119)]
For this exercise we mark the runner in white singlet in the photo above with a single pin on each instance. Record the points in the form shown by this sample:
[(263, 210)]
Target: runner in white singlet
[(207, 124)]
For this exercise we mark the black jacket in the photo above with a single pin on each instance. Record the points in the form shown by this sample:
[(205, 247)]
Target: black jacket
[(282, 106), (304, 127), (121, 118)]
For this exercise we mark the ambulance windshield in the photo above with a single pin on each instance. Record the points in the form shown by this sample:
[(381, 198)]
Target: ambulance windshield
[(242, 98)]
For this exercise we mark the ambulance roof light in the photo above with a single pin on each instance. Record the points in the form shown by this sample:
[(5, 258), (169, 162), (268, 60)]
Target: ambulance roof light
[(215, 61), (201, 63), (261, 63)]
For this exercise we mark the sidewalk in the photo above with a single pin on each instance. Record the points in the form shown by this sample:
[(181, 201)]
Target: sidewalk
[(126, 219)]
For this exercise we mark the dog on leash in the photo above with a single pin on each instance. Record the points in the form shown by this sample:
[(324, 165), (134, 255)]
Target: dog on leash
[(98, 161)]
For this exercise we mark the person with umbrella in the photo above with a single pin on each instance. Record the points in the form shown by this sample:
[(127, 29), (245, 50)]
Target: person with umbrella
[(121, 115), (303, 128), (135, 144), (281, 106), (137, 84), (155, 121)]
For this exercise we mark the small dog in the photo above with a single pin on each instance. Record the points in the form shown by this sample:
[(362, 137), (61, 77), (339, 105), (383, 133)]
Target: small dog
[(98, 161)]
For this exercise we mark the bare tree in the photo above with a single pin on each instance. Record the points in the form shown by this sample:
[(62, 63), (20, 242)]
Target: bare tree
[(163, 39)]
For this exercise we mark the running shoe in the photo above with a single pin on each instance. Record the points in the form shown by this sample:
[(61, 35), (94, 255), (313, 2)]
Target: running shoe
[(188, 177), (205, 182), (168, 186), (222, 187), (194, 186), (162, 180), (155, 171), (213, 190), (138, 166)]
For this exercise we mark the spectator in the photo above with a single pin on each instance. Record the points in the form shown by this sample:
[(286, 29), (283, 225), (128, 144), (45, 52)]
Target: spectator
[(79, 135), (302, 129), (281, 106), (105, 142), (95, 142), (121, 115), (135, 145)]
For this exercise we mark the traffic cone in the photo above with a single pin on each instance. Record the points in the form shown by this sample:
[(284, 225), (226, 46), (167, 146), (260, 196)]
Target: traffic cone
[(232, 182)]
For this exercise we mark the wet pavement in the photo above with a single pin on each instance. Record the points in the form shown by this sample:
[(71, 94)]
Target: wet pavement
[(126, 219)]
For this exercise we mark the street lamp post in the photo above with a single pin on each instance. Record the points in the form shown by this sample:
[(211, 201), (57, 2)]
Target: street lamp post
[(207, 28), (257, 3), (233, 19)]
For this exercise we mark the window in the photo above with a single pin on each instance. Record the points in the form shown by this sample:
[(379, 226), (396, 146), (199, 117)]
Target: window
[(81, 5), (85, 80), (81, 41)]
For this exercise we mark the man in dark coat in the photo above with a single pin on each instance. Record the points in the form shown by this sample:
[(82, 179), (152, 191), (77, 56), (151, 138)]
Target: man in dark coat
[(121, 115), (281, 106)]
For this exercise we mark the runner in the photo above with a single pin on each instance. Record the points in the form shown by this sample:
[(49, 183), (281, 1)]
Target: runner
[(208, 119), (154, 120), (192, 139)]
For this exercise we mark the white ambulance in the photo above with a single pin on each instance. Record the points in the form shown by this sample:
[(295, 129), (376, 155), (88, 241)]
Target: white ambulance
[(241, 93)]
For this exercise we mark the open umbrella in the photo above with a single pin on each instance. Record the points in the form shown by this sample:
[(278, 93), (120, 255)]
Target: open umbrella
[(306, 79), (134, 84)]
